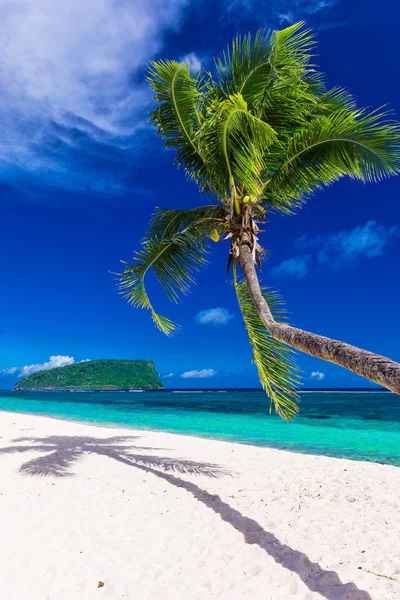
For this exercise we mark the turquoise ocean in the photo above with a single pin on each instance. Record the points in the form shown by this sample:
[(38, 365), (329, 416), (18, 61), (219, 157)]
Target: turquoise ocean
[(349, 424)]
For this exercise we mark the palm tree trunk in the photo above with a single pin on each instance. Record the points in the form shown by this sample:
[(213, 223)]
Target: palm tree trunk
[(372, 366)]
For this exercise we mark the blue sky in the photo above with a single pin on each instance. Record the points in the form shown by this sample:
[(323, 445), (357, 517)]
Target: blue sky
[(81, 172)]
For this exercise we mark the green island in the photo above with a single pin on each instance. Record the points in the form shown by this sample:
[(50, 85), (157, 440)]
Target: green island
[(95, 375)]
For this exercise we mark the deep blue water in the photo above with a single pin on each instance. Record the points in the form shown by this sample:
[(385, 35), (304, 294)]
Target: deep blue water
[(358, 425)]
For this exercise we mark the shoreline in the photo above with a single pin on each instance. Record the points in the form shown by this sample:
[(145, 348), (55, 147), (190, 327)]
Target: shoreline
[(170, 515), (197, 436)]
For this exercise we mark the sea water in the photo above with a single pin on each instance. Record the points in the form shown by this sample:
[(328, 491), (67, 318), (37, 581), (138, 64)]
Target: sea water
[(358, 425)]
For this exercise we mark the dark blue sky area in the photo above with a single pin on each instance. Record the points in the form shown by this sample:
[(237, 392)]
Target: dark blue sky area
[(81, 172)]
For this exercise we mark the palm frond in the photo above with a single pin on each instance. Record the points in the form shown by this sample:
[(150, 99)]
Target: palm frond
[(278, 374), (179, 98), (245, 66), (166, 222), (294, 85), (235, 142), (346, 142), (335, 99), (174, 248), (251, 66), (292, 48)]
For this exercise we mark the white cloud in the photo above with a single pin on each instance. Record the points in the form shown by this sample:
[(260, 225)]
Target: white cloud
[(53, 362), (317, 375), (286, 18), (71, 66), (194, 61), (347, 248), (298, 11), (366, 241), (199, 374), (284, 12), (298, 266), (169, 375), (214, 316), (10, 371)]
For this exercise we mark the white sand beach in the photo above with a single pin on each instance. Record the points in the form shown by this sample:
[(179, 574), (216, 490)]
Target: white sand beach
[(157, 516)]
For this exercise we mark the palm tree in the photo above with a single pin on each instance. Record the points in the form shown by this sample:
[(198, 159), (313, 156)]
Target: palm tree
[(260, 136)]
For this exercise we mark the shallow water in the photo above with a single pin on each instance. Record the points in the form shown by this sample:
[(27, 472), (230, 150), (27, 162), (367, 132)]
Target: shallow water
[(358, 425)]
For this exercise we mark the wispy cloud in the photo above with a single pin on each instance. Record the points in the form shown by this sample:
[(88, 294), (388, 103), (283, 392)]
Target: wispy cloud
[(10, 371), (53, 362), (284, 12), (167, 376), (345, 249), (298, 266), (317, 375), (195, 64), (202, 374), (337, 251), (214, 316), (71, 73)]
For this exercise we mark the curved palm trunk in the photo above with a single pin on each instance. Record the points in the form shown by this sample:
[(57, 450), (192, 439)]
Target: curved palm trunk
[(372, 366)]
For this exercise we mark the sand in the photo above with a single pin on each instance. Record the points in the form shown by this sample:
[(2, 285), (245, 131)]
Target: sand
[(161, 516)]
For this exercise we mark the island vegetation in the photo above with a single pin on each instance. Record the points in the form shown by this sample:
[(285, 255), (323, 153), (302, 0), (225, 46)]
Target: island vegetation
[(95, 375)]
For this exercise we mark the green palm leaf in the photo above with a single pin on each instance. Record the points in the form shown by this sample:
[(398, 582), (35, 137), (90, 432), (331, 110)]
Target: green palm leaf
[(167, 222), (245, 66), (179, 97), (291, 50), (334, 99), (278, 374), (346, 142), (250, 67), (174, 248), (234, 142)]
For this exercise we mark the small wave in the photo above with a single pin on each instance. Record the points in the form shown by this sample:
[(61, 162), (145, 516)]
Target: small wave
[(187, 392)]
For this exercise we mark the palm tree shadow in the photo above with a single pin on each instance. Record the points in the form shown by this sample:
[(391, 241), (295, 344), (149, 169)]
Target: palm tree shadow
[(60, 453)]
